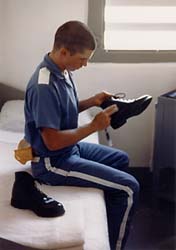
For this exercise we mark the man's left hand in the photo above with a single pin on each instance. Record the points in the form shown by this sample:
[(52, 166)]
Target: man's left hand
[(100, 97)]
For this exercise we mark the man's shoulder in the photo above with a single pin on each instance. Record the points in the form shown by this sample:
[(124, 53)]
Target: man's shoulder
[(44, 75), (41, 76)]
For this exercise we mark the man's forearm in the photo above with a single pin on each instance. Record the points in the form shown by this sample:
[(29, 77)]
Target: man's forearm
[(85, 104), (56, 139)]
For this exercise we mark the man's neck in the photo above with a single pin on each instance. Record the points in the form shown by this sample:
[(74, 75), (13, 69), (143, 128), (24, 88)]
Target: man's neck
[(55, 58)]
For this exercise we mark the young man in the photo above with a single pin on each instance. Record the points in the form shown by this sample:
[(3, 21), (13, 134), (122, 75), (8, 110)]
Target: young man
[(51, 113)]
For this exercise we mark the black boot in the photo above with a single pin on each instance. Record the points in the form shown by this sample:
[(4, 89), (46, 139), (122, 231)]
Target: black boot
[(127, 108), (25, 195)]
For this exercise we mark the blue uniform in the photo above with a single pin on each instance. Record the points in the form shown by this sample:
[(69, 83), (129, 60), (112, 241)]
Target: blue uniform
[(51, 101)]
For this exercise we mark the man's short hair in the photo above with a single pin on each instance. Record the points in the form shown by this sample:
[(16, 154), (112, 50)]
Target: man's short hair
[(74, 36)]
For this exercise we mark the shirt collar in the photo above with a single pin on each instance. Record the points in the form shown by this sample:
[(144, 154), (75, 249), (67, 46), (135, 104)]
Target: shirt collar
[(53, 67)]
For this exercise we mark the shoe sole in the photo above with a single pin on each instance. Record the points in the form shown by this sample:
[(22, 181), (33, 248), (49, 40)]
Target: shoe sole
[(21, 205)]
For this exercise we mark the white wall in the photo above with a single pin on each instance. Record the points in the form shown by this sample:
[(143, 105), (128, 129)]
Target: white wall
[(29, 33), (29, 30), (1, 36)]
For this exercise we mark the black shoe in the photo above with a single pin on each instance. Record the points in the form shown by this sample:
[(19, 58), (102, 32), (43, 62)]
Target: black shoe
[(127, 108), (25, 195)]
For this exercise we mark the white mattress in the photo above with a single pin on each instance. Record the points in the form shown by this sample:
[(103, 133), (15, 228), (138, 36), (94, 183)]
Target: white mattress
[(14, 137), (10, 137), (83, 226)]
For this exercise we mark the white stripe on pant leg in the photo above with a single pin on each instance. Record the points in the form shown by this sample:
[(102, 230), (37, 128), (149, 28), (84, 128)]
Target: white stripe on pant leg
[(102, 182), (123, 224), (54, 169), (116, 186)]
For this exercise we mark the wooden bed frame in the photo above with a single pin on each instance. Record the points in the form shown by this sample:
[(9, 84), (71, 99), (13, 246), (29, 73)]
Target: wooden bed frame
[(10, 245), (10, 93)]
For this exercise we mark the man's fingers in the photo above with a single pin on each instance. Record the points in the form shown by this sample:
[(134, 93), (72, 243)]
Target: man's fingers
[(111, 109)]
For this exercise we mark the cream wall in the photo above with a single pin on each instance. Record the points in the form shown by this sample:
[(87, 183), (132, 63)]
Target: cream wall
[(29, 29), (1, 36), (28, 35)]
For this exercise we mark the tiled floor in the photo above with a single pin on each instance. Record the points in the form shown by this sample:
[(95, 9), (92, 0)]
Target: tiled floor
[(153, 225)]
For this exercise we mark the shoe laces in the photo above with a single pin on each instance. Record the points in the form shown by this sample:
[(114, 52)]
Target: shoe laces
[(121, 97)]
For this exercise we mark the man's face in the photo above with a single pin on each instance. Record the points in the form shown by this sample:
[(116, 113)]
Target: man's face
[(76, 61)]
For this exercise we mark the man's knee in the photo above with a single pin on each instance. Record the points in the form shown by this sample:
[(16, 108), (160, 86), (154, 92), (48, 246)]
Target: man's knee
[(129, 182), (123, 163), (134, 185), (125, 158)]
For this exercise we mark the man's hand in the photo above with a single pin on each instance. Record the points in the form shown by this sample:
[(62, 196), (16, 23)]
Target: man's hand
[(95, 100), (102, 120), (100, 97)]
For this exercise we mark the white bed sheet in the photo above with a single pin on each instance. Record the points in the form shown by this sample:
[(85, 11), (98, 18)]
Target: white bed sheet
[(10, 137), (83, 226)]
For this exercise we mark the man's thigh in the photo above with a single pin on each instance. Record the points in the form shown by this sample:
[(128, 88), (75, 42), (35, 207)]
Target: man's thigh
[(109, 156), (87, 173)]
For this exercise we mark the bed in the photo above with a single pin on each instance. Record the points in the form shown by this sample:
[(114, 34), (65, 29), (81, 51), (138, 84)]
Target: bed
[(82, 227)]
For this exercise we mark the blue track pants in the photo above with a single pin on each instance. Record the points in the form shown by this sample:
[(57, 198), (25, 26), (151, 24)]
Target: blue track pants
[(102, 167)]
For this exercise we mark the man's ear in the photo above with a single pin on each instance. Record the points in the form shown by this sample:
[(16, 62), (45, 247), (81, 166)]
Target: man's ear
[(64, 51)]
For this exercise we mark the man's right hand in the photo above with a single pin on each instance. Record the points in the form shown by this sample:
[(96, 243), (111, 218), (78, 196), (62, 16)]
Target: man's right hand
[(102, 120)]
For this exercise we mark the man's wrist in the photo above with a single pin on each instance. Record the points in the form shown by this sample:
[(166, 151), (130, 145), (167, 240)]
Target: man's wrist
[(92, 101), (93, 127), (95, 102)]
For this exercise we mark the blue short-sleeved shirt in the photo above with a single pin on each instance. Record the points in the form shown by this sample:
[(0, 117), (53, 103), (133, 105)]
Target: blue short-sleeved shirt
[(51, 102)]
